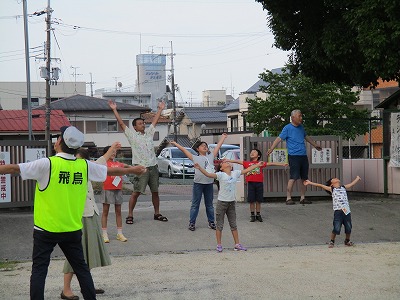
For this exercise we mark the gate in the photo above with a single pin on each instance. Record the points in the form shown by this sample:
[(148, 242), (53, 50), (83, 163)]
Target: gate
[(276, 177), (21, 191)]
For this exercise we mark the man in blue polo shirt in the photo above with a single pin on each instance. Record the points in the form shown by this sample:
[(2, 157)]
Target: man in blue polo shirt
[(294, 135)]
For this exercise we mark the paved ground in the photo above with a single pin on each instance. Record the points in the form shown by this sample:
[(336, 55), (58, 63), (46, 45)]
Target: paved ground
[(287, 253)]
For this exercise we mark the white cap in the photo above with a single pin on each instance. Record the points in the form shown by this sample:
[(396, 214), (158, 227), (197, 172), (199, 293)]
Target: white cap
[(72, 137)]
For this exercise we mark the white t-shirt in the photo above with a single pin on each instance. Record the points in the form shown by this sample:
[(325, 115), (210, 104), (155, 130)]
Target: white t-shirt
[(39, 170), (340, 200), (227, 185)]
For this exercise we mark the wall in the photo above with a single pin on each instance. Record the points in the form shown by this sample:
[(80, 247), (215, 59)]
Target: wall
[(371, 173), (11, 93)]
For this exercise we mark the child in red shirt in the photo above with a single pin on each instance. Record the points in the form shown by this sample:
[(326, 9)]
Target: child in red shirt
[(255, 182), (112, 194)]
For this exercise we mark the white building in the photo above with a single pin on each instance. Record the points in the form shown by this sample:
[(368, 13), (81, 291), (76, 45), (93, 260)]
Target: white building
[(13, 95)]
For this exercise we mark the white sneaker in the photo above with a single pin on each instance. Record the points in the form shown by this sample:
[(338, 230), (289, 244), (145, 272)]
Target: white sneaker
[(105, 238), (121, 237)]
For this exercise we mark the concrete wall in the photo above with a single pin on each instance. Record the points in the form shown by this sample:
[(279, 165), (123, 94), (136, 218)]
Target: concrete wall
[(11, 93)]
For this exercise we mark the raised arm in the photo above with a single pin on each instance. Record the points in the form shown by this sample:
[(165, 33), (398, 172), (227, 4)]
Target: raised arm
[(313, 143), (274, 144), (211, 175), (113, 107), (322, 186), (252, 167), (113, 148), (161, 106), (234, 161), (183, 149), (277, 164), (221, 141), (349, 185)]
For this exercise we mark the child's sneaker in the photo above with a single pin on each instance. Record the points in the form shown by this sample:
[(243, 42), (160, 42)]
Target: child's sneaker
[(331, 244), (252, 218), (259, 218), (212, 225), (239, 247), (121, 237), (219, 248), (192, 227), (105, 238)]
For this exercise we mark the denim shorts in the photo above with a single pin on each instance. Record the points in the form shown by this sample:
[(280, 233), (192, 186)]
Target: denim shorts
[(339, 219), (255, 192), (298, 167)]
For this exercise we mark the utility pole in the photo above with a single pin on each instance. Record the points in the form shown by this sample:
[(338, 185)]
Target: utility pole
[(28, 71), (91, 84), (48, 29), (173, 92)]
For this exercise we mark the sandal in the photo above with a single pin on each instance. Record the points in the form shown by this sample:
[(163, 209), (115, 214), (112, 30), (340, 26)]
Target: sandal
[(160, 217), (348, 243), (129, 220)]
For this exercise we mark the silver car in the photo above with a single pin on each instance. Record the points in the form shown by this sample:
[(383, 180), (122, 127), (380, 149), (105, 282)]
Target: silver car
[(173, 162)]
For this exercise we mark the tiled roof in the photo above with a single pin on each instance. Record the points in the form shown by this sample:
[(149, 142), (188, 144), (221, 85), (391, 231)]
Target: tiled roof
[(233, 106), (17, 120), (256, 87), (148, 118), (87, 103), (205, 114)]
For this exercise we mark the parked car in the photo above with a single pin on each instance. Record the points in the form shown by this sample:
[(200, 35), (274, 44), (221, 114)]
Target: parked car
[(233, 154), (173, 162), (224, 147)]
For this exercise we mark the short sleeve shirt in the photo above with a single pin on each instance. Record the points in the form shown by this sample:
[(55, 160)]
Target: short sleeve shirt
[(206, 162), (142, 146), (294, 137), (227, 185), (339, 198), (39, 170), (255, 175)]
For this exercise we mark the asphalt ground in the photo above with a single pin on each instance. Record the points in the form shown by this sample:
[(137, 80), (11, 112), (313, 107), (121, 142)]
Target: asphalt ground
[(287, 255), (375, 219)]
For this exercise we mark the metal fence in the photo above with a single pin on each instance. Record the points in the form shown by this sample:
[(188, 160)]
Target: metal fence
[(276, 177), (21, 192)]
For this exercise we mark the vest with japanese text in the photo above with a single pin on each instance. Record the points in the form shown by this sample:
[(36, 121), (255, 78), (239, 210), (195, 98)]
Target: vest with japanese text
[(59, 206)]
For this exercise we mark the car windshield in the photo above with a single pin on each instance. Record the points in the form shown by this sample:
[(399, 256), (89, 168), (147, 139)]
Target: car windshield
[(176, 153), (223, 149)]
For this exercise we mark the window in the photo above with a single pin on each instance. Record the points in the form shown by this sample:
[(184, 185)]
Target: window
[(234, 123), (34, 102), (106, 126), (156, 136)]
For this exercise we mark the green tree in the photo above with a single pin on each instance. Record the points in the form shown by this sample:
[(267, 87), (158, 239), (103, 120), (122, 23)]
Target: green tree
[(327, 108), (349, 41)]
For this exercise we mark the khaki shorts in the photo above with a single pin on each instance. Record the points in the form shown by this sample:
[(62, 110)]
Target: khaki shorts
[(112, 197), (228, 209), (150, 178)]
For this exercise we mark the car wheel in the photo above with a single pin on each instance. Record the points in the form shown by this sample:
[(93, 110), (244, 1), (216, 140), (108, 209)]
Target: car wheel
[(170, 173)]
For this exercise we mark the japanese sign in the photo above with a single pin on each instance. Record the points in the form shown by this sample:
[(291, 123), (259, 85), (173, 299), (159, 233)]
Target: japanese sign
[(279, 155), (321, 157), (395, 140), (5, 179), (34, 154)]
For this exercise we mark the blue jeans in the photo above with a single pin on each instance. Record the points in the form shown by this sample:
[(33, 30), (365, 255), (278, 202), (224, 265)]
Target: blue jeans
[(71, 244), (207, 190)]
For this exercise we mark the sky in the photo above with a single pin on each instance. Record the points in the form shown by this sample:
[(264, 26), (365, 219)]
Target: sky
[(217, 44)]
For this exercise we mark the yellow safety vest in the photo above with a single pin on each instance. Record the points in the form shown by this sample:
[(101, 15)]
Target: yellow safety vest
[(59, 206)]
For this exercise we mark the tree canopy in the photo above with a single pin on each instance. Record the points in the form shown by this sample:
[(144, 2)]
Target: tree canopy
[(348, 41), (327, 107)]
